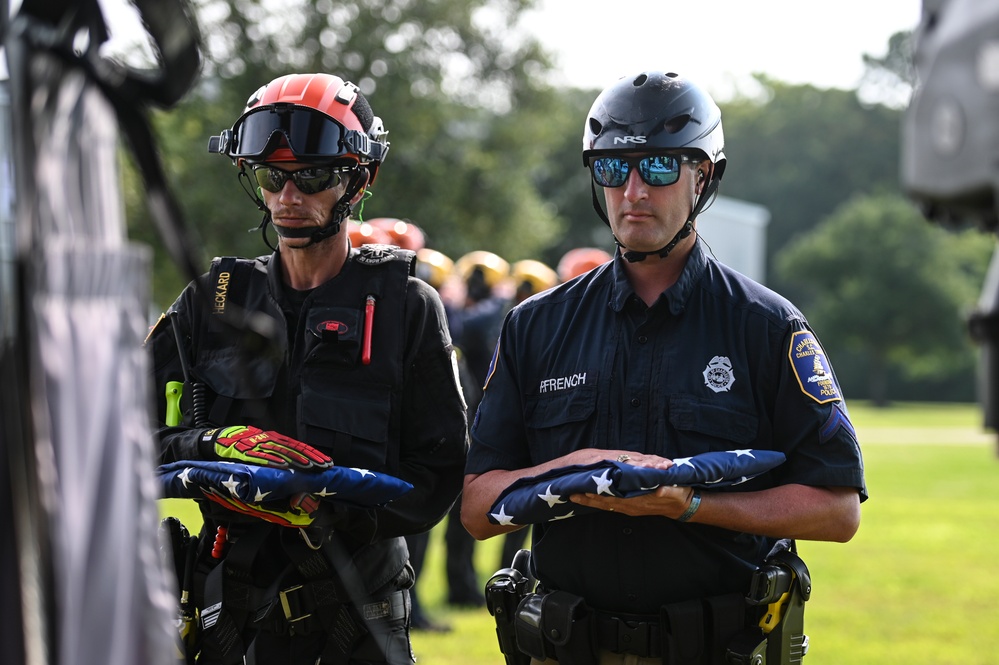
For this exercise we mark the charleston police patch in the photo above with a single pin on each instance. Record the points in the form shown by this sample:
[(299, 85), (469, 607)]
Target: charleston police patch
[(811, 368)]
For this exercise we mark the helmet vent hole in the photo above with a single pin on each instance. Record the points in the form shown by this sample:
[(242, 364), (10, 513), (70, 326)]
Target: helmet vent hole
[(640, 80), (595, 127), (671, 75), (676, 124)]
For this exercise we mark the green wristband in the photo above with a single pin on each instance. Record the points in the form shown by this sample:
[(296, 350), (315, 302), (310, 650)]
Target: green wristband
[(695, 503)]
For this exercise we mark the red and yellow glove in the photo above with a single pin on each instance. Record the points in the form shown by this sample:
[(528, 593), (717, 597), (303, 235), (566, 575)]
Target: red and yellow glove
[(299, 513), (251, 445)]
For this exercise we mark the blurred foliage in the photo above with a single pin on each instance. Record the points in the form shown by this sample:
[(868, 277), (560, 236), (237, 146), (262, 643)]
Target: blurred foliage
[(890, 290), (486, 155), (801, 151)]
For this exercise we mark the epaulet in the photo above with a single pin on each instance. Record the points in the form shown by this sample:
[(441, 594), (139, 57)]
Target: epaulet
[(377, 254)]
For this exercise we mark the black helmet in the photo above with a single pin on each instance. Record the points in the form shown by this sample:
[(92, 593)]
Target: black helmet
[(655, 111)]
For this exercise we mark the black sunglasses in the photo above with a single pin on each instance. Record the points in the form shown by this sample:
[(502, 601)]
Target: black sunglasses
[(655, 170), (309, 181)]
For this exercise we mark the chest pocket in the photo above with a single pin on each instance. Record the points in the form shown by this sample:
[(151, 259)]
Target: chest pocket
[(350, 420), (334, 336), (701, 426), (560, 422)]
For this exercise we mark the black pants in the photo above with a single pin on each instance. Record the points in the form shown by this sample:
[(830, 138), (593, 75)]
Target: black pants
[(462, 581)]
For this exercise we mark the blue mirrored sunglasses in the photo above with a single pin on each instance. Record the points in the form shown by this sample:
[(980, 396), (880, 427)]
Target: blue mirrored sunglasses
[(655, 170)]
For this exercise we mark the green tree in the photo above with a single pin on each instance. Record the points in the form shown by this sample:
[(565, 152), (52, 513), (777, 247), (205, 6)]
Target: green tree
[(890, 289), (802, 151)]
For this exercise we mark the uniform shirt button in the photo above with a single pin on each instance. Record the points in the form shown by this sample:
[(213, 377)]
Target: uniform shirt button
[(642, 339), (632, 597), (636, 402), (626, 532)]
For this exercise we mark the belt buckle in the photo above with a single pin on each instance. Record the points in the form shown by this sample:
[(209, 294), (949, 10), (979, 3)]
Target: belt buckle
[(291, 605), (634, 637)]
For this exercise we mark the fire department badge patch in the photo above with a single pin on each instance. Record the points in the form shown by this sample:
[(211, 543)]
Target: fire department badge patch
[(811, 368), (718, 374), (375, 254)]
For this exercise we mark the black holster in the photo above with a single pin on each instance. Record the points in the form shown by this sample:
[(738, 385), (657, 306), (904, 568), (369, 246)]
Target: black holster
[(556, 625), (504, 591)]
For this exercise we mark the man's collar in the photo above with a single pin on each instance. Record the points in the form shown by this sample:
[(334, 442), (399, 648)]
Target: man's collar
[(676, 295)]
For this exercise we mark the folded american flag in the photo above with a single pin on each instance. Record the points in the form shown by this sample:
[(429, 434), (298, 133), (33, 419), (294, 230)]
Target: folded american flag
[(189, 479), (545, 497)]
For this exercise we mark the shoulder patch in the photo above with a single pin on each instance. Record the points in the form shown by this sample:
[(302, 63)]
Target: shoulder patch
[(375, 254), (162, 321), (811, 368)]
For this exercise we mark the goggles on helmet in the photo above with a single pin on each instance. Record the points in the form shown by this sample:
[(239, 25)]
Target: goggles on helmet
[(655, 170), (310, 134)]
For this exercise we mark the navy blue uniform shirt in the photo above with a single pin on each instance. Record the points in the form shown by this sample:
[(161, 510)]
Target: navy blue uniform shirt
[(719, 362)]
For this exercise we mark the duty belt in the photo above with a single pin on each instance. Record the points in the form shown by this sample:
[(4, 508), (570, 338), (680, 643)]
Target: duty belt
[(620, 634), (684, 631)]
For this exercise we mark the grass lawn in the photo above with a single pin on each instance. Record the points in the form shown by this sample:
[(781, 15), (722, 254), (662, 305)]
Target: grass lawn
[(918, 585)]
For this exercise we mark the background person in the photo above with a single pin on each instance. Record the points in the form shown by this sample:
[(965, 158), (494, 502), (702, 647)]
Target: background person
[(674, 354), (360, 374)]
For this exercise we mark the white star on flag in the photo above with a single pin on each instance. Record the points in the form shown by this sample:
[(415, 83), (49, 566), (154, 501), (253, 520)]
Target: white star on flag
[(232, 485), (603, 483), (551, 499), (185, 477), (502, 518)]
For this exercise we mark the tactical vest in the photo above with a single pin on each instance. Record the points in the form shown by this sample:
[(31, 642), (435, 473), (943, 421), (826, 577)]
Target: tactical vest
[(349, 363), (347, 392)]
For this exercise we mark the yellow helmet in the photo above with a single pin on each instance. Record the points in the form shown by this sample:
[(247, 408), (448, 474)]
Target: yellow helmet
[(535, 274), (433, 267), (494, 268)]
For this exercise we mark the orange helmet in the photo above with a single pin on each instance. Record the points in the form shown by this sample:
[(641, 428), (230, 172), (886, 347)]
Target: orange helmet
[(404, 234), (318, 118), (362, 233), (582, 259)]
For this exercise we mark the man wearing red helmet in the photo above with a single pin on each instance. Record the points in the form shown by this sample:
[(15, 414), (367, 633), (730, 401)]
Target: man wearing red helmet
[(342, 357), (646, 362)]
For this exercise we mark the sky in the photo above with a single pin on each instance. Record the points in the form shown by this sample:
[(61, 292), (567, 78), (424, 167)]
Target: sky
[(719, 43)]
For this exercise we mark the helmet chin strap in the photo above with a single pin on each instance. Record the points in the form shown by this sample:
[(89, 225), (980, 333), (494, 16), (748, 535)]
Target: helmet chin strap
[(634, 256), (337, 216)]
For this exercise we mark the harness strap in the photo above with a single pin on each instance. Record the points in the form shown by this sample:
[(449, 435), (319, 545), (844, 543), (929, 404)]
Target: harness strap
[(325, 596), (222, 622)]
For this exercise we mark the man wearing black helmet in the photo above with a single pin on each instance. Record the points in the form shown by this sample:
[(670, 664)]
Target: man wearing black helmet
[(317, 354), (661, 354)]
